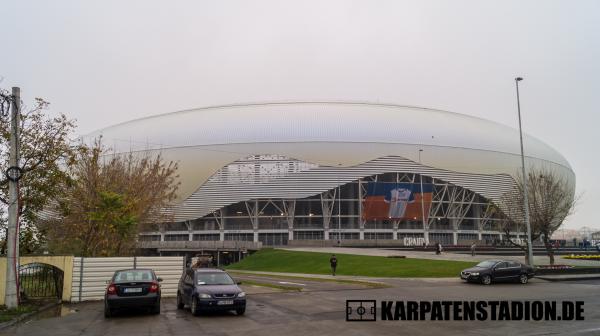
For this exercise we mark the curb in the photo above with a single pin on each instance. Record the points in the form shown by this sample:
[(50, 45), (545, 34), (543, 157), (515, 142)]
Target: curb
[(14, 321)]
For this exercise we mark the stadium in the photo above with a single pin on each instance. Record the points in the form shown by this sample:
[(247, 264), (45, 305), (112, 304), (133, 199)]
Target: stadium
[(333, 172)]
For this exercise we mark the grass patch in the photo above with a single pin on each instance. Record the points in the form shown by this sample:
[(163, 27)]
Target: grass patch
[(271, 285), (9, 314), (272, 260)]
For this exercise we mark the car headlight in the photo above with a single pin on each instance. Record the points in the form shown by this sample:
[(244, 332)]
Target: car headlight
[(204, 296), (241, 294), (475, 273)]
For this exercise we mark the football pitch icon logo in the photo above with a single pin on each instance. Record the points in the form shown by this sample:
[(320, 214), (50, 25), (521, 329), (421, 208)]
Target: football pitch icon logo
[(361, 310)]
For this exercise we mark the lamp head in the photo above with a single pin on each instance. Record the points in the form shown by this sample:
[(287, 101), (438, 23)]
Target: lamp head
[(518, 79)]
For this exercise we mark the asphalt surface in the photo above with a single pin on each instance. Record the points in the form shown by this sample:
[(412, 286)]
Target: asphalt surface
[(320, 310), (304, 284)]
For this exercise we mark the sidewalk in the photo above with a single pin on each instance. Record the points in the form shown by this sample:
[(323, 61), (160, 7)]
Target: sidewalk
[(538, 260)]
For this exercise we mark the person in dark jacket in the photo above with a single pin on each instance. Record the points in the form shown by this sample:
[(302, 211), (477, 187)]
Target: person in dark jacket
[(333, 263)]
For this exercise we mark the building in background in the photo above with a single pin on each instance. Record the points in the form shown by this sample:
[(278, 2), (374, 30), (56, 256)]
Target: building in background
[(298, 172)]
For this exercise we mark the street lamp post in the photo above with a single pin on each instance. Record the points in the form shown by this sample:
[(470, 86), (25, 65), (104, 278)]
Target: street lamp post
[(425, 229), (525, 191), (339, 210)]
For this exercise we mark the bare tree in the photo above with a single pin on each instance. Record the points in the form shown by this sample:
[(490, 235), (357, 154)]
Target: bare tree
[(551, 201), (108, 200)]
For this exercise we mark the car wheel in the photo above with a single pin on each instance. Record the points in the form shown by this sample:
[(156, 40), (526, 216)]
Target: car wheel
[(240, 311), (486, 279), (107, 311), (179, 301), (194, 307), (523, 278), (156, 308)]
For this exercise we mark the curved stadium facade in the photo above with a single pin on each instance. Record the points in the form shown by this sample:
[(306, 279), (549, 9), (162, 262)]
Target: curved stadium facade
[(278, 173)]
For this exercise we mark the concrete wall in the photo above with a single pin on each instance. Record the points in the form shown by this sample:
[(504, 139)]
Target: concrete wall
[(65, 263)]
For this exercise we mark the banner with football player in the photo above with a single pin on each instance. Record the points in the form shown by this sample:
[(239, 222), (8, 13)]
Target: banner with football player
[(390, 200)]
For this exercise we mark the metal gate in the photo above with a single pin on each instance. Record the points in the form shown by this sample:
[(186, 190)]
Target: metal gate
[(39, 281)]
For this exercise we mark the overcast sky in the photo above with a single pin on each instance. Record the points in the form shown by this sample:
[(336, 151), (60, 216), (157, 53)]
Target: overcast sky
[(104, 62)]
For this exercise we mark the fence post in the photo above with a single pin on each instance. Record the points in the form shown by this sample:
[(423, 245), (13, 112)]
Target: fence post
[(134, 262), (80, 277)]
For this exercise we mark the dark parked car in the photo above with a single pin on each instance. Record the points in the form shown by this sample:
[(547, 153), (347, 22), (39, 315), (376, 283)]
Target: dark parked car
[(498, 270), (209, 289), (132, 288)]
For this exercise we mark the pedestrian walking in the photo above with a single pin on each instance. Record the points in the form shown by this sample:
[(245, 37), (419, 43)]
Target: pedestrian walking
[(473, 249), (333, 264)]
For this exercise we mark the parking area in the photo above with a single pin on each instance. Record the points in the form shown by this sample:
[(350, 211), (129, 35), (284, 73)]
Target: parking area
[(320, 310)]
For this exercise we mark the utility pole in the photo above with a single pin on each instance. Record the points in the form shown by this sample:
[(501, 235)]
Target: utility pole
[(11, 296), (425, 226)]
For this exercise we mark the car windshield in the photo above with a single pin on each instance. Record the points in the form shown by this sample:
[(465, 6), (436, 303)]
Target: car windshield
[(133, 275), (486, 264), (214, 279)]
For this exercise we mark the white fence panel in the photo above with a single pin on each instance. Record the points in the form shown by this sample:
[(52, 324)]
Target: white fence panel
[(89, 278), (90, 275), (167, 268)]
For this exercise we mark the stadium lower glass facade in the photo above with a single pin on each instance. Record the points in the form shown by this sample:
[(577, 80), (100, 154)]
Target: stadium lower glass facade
[(362, 209)]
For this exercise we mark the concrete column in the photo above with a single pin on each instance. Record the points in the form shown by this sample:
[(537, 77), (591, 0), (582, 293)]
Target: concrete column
[(361, 222), (162, 236), (395, 234), (326, 234), (255, 236), (290, 220), (190, 230), (477, 214), (222, 224), (479, 235), (426, 237), (455, 237)]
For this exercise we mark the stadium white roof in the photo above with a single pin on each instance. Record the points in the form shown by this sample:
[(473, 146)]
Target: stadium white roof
[(204, 140)]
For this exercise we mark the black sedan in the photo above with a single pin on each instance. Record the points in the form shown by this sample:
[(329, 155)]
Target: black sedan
[(207, 289), (132, 288), (490, 271)]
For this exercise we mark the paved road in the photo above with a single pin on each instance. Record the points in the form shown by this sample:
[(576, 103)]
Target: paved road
[(304, 283), (321, 311)]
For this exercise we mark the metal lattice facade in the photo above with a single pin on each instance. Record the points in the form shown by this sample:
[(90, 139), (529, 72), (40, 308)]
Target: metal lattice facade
[(263, 198)]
